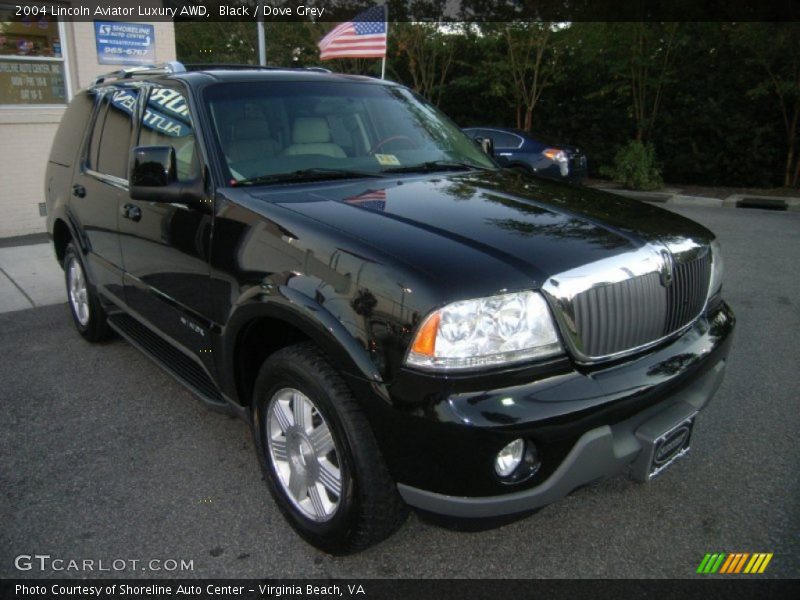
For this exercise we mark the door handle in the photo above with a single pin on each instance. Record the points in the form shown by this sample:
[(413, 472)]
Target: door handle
[(78, 190), (132, 212)]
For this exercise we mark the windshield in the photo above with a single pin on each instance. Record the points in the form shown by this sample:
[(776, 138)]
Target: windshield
[(283, 131)]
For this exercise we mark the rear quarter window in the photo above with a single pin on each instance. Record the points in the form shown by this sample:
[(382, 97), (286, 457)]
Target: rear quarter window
[(505, 140), (69, 136)]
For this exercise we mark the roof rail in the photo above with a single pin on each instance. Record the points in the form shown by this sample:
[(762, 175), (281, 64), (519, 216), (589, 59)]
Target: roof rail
[(238, 67), (234, 66), (159, 69)]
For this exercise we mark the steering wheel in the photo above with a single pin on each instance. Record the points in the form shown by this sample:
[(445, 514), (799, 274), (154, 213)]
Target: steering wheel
[(391, 138)]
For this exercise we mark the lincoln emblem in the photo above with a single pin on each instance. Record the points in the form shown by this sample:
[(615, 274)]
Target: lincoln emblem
[(666, 268)]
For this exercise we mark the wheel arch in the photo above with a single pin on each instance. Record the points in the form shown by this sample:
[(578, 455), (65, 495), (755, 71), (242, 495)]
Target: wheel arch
[(519, 164), (62, 236), (259, 328)]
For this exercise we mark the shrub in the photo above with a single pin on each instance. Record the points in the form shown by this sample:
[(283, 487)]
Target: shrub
[(635, 167)]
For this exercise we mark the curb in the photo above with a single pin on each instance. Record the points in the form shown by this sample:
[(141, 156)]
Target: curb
[(777, 203)]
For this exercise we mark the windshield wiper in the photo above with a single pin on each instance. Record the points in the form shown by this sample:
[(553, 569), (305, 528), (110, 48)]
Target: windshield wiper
[(435, 165), (312, 174)]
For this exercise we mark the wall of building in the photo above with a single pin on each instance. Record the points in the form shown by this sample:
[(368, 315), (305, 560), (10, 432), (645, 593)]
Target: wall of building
[(26, 132)]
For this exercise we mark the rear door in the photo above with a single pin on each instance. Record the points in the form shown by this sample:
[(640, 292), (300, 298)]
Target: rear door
[(99, 183), (165, 245), (505, 143)]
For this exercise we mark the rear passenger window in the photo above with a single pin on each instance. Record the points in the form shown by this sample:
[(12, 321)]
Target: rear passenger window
[(502, 139), (111, 136), (71, 130), (167, 122), (97, 132)]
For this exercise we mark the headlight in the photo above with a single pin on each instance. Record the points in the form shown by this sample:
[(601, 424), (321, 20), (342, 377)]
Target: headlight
[(717, 267), (487, 331), (560, 157)]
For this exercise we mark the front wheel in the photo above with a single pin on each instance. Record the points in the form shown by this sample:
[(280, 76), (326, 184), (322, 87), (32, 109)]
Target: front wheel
[(319, 454)]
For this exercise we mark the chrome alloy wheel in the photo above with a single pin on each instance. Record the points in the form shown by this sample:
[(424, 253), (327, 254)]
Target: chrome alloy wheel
[(304, 454), (78, 294)]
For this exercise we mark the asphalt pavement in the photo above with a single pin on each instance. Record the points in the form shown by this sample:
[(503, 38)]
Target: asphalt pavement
[(104, 457)]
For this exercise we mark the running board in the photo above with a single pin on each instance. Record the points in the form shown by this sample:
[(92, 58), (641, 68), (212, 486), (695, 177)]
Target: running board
[(169, 358)]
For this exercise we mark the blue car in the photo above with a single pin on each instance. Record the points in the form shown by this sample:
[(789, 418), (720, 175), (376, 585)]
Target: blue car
[(515, 148)]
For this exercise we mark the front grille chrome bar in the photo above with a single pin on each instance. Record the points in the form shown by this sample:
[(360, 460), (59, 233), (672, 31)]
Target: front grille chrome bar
[(626, 303)]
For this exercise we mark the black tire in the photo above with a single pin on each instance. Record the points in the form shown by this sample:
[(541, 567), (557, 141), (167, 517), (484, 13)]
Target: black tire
[(369, 507), (93, 327)]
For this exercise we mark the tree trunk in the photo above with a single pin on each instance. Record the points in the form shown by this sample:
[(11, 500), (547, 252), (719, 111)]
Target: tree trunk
[(528, 119), (790, 172), (792, 162)]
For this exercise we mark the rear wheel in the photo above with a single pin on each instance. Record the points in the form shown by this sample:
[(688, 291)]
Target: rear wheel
[(87, 312), (319, 454)]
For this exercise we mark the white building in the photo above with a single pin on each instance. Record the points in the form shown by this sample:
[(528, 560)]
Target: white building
[(44, 60)]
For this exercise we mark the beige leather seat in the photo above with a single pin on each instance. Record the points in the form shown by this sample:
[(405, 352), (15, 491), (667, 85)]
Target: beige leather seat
[(312, 135), (251, 141)]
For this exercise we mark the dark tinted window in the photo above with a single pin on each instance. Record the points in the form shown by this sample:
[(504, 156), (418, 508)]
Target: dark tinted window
[(97, 131), (475, 133), (70, 133), (115, 141), (502, 139), (168, 122)]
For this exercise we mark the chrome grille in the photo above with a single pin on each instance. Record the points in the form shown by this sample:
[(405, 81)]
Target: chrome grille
[(613, 318), (687, 295), (609, 319)]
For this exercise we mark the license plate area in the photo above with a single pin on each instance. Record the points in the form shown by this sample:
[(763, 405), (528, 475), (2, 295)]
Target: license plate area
[(661, 450)]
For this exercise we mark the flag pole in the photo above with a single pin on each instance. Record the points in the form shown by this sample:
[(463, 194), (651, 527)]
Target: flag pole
[(383, 60), (262, 45)]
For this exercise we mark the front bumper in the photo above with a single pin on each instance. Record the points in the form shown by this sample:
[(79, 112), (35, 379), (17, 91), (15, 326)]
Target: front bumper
[(440, 435), (598, 453)]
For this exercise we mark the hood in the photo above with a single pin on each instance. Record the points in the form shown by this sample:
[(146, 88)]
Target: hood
[(499, 230)]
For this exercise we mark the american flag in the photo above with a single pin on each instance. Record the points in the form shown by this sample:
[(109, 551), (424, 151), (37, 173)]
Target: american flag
[(372, 199), (363, 37)]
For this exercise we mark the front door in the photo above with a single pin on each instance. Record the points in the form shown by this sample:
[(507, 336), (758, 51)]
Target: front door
[(165, 245)]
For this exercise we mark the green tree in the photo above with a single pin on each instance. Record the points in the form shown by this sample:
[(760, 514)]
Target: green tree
[(229, 42), (774, 50), (641, 59), (428, 54)]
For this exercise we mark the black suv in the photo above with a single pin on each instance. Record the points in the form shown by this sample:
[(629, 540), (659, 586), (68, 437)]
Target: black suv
[(401, 321)]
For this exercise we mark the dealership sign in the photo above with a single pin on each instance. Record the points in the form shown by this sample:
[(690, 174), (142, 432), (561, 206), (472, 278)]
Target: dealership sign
[(124, 43)]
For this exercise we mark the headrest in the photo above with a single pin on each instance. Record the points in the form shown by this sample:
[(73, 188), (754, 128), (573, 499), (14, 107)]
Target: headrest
[(310, 130), (250, 129)]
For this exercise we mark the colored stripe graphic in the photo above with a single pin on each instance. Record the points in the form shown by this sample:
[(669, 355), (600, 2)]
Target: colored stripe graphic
[(703, 563), (734, 563)]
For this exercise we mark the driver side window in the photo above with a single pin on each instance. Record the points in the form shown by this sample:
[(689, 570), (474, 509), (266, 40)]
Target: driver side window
[(168, 122)]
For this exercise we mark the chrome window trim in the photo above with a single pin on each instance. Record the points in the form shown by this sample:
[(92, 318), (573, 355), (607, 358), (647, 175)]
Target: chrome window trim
[(519, 137), (109, 179)]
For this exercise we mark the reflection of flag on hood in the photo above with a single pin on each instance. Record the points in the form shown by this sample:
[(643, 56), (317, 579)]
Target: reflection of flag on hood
[(363, 37), (372, 199)]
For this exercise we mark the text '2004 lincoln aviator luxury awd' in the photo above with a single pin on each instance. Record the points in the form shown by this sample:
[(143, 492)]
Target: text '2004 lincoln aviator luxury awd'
[(400, 320)]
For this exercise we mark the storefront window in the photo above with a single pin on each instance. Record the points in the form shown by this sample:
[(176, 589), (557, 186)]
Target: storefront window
[(31, 58)]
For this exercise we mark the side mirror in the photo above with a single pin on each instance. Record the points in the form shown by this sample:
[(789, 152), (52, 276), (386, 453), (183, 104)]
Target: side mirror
[(153, 177), (487, 145)]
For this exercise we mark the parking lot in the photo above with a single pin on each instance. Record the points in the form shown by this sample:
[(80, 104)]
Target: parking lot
[(104, 456)]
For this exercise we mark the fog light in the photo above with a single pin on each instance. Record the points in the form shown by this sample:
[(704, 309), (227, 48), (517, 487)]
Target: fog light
[(509, 458)]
